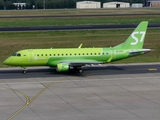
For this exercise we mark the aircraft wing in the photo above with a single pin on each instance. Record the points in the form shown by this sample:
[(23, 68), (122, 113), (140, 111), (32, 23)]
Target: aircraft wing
[(81, 63)]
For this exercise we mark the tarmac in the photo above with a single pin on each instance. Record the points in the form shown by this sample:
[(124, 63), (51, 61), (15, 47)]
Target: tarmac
[(110, 92)]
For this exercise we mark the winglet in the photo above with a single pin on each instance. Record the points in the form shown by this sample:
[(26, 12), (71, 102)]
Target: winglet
[(80, 45)]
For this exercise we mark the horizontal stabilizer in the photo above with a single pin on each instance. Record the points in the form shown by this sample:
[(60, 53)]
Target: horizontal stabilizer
[(133, 52)]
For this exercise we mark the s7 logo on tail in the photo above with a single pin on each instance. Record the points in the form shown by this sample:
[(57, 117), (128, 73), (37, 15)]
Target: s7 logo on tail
[(137, 38)]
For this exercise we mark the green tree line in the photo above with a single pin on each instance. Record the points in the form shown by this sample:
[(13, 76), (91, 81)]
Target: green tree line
[(52, 4)]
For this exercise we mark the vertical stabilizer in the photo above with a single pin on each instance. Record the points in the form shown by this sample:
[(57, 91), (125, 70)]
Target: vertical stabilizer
[(136, 39)]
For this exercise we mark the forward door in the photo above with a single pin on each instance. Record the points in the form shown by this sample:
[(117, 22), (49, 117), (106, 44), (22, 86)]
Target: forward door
[(31, 56)]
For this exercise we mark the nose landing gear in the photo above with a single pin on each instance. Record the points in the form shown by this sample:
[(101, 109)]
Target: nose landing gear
[(24, 69)]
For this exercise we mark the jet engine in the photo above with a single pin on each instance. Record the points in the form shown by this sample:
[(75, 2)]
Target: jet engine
[(63, 67)]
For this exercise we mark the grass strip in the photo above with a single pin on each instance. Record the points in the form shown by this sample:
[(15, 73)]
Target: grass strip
[(23, 22), (59, 12)]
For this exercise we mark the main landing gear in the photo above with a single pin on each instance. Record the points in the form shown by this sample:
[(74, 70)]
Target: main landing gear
[(78, 69)]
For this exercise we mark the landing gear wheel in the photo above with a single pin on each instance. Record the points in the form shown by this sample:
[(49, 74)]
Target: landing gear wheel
[(24, 71), (80, 71)]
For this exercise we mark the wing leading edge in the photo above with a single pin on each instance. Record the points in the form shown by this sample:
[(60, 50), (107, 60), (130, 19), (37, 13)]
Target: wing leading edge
[(81, 63)]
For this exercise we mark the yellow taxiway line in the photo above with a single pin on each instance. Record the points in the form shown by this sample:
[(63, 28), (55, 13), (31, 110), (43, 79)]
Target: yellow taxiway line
[(28, 101), (152, 69)]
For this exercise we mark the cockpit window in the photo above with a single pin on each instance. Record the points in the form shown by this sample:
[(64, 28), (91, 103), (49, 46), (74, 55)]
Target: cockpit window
[(16, 54)]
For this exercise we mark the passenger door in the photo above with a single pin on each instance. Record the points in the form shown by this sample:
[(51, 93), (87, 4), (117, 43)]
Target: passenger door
[(30, 56)]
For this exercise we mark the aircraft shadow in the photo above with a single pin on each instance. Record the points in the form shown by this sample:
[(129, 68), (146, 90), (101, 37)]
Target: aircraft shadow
[(88, 71)]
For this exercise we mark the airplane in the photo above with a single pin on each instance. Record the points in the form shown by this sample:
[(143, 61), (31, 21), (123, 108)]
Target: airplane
[(73, 59)]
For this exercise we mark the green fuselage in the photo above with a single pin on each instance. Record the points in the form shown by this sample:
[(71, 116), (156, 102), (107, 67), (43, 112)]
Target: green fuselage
[(51, 57)]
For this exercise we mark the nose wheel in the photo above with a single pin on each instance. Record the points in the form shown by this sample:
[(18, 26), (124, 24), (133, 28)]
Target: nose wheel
[(24, 70)]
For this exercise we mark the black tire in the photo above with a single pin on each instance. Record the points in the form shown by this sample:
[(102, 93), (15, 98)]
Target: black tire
[(24, 71), (80, 71)]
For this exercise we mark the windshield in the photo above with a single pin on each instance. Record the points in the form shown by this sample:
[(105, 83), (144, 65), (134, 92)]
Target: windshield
[(16, 54)]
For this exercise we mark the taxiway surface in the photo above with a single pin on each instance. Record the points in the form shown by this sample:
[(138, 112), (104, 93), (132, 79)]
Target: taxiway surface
[(112, 92)]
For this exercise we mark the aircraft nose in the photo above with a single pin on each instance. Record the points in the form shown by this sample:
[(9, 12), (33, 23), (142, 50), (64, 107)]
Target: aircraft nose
[(7, 61)]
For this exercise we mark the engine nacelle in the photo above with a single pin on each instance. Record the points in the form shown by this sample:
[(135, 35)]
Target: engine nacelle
[(62, 67)]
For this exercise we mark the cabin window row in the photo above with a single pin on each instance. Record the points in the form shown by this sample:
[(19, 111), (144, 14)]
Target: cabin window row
[(71, 54)]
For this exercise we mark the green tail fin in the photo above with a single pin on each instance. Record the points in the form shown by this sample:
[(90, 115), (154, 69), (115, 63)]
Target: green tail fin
[(136, 39)]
